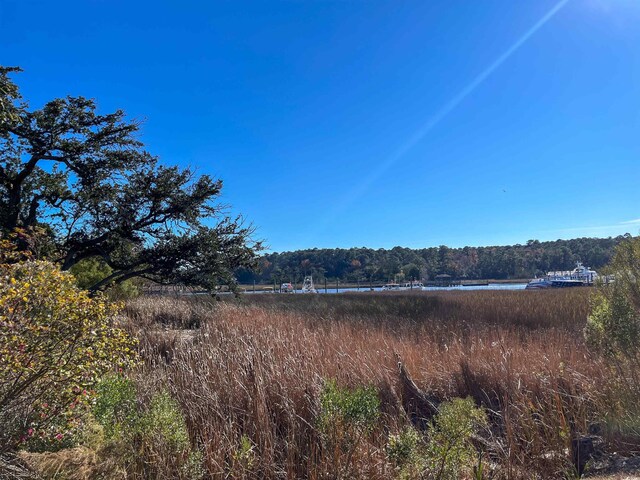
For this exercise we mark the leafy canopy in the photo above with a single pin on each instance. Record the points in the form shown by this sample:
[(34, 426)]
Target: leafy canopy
[(88, 180)]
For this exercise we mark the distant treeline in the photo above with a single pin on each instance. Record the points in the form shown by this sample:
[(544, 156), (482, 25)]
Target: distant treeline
[(397, 264)]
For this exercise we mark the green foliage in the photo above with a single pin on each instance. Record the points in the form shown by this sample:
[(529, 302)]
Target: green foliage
[(626, 268), (164, 421), (449, 452), (8, 94), (613, 327), (403, 448), (92, 270), (623, 417), (355, 410), (89, 271), (55, 343), (411, 271), (134, 434), (245, 456), (346, 416), (161, 433), (446, 452), (115, 406)]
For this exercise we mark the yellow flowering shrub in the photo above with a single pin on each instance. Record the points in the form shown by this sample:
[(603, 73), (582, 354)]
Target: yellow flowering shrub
[(55, 344)]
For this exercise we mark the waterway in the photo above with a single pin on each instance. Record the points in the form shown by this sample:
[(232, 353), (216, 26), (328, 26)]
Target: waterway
[(457, 288)]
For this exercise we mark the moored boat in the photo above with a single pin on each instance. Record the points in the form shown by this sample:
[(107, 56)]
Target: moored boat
[(286, 288), (538, 283), (578, 277)]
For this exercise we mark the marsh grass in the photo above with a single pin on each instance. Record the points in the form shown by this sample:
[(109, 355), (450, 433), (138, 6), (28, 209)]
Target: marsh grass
[(250, 379), (528, 309)]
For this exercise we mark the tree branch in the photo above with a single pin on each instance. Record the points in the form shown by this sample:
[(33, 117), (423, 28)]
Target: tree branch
[(117, 277)]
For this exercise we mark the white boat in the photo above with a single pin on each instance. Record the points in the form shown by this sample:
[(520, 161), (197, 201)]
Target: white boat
[(538, 283), (584, 273), (286, 288), (391, 287), (412, 286), (578, 277)]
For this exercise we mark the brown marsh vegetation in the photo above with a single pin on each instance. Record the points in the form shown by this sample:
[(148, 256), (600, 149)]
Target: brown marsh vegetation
[(248, 375)]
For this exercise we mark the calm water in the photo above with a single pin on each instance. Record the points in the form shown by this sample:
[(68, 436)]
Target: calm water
[(491, 286)]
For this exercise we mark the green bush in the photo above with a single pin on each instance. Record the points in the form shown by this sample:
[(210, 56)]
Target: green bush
[(445, 452), (346, 417), (115, 407), (164, 421), (133, 434), (450, 453), (613, 330), (356, 409), (244, 458), (91, 270), (404, 450), (162, 434), (613, 327)]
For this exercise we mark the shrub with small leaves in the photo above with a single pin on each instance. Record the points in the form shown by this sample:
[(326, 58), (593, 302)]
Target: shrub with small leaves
[(613, 327), (445, 451), (402, 446), (244, 457), (346, 417), (613, 330), (55, 343), (165, 421), (449, 453), (134, 434), (357, 409), (403, 450), (115, 406)]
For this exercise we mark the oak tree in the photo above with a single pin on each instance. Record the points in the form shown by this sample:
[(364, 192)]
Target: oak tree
[(87, 179)]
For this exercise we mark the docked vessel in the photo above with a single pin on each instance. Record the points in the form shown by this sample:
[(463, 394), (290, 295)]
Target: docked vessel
[(286, 288), (578, 277), (404, 286)]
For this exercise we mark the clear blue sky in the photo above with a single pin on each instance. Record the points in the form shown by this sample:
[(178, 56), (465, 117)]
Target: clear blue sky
[(367, 123)]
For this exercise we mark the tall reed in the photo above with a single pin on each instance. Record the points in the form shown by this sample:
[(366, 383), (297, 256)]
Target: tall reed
[(249, 378)]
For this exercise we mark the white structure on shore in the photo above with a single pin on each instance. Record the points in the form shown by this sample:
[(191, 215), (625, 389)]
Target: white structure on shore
[(307, 286)]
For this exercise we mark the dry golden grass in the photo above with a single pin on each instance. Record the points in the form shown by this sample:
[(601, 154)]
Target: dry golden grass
[(256, 365), (80, 463)]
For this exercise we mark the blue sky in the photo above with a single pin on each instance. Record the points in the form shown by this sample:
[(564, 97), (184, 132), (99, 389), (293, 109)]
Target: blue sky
[(367, 123)]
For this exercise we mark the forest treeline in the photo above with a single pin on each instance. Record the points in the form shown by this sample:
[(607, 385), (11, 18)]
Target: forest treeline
[(398, 263)]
